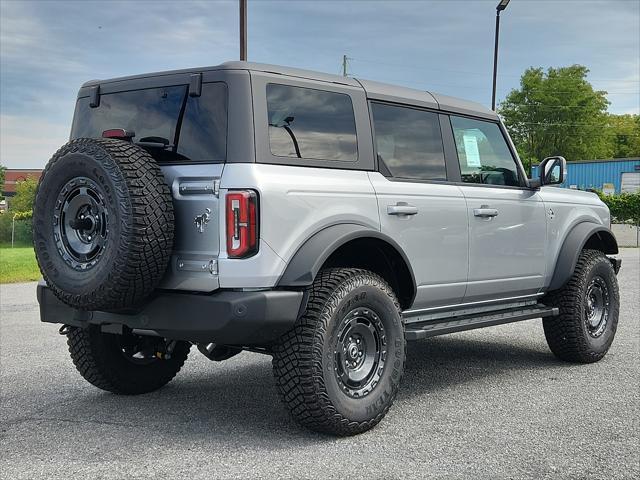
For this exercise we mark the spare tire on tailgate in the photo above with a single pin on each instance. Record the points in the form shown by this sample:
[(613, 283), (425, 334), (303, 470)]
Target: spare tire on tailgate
[(102, 224)]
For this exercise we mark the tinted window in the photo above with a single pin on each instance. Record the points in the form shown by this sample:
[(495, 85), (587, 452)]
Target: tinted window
[(409, 142), (483, 153), (308, 123), (203, 135), (167, 122)]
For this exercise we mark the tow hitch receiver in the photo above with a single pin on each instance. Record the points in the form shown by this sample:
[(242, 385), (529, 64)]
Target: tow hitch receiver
[(218, 353)]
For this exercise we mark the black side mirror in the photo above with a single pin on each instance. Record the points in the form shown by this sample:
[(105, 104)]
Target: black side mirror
[(553, 171)]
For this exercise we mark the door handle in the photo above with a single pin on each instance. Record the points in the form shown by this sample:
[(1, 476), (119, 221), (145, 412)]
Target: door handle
[(485, 212), (401, 208)]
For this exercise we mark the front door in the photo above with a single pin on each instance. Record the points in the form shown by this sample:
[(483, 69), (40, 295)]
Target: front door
[(507, 222)]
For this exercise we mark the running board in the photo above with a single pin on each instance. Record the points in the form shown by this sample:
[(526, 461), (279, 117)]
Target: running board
[(418, 331)]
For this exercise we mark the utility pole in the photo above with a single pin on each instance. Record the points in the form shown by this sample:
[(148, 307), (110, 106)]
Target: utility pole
[(344, 65), (243, 30)]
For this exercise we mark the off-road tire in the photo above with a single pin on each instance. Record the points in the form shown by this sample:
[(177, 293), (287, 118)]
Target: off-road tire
[(136, 224), (304, 360), (568, 334), (99, 358)]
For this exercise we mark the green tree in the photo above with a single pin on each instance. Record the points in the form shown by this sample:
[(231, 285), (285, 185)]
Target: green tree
[(25, 195), (625, 135), (557, 112)]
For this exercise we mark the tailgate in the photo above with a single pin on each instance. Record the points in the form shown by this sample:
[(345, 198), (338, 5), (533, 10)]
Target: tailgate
[(194, 261)]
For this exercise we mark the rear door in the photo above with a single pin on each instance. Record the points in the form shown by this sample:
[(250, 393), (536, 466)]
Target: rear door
[(507, 221), (419, 209)]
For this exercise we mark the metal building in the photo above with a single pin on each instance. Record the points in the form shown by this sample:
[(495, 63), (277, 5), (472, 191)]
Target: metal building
[(619, 175)]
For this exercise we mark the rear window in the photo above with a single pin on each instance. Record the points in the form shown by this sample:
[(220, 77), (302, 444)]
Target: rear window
[(170, 124), (309, 123)]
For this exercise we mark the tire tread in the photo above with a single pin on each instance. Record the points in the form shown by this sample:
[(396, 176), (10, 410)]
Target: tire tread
[(92, 361), (564, 333), (297, 360), (146, 240)]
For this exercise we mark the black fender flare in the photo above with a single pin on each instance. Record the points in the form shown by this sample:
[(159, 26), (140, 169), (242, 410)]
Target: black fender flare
[(307, 261), (576, 240)]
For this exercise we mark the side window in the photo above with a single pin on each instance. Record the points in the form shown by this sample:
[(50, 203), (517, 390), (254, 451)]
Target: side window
[(483, 153), (409, 142), (309, 123)]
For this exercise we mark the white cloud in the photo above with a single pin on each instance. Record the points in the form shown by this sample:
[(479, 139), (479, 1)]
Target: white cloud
[(29, 142), (49, 48), (27, 41)]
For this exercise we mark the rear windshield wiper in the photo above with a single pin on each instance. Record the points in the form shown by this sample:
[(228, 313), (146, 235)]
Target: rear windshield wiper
[(155, 142)]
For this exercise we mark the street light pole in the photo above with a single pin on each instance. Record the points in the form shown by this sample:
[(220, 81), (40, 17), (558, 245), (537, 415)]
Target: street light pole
[(243, 30), (501, 6)]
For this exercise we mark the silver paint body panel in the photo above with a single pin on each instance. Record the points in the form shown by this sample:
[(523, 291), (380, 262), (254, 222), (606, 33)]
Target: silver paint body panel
[(506, 252), (436, 239)]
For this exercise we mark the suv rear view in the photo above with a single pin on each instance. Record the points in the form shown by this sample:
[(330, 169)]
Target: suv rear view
[(319, 219)]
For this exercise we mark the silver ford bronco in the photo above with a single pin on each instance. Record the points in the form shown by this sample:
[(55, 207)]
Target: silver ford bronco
[(319, 219)]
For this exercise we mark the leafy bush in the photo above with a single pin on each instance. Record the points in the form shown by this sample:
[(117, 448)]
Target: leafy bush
[(25, 195), (624, 207), (23, 215)]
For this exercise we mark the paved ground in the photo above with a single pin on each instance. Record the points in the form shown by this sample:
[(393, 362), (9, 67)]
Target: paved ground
[(492, 403)]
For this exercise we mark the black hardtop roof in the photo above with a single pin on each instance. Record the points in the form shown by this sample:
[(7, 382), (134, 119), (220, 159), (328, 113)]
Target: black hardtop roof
[(374, 90)]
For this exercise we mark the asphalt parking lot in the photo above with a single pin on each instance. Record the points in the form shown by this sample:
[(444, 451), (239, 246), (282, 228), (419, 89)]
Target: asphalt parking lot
[(490, 403)]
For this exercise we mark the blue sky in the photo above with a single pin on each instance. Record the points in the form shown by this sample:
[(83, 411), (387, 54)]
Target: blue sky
[(49, 48)]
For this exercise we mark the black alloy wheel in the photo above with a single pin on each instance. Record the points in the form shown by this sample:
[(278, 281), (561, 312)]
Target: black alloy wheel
[(81, 223), (360, 352)]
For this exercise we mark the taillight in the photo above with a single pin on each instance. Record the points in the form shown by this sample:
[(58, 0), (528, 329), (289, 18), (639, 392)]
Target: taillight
[(242, 223), (119, 133)]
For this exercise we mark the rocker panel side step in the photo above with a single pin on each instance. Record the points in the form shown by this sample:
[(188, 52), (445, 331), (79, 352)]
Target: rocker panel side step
[(418, 331)]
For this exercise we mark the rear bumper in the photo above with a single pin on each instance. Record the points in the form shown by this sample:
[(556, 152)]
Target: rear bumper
[(227, 317)]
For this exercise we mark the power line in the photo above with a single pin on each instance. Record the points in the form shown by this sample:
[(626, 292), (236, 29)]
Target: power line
[(583, 135), (566, 124), (468, 72), (552, 105), (426, 85), (551, 92)]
